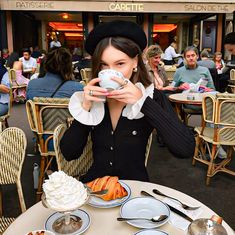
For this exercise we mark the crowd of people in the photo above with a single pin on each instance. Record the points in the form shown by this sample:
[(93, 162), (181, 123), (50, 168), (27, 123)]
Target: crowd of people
[(121, 125)]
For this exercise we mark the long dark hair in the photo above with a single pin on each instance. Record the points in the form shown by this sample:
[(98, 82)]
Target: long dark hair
[(11, 59), (128, 47), (59, 61)]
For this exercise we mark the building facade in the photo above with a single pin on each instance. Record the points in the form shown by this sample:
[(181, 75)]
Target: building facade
[(33, 22)]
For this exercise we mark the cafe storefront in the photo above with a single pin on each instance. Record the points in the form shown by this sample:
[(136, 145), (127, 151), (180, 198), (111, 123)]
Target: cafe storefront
[(30, 23)]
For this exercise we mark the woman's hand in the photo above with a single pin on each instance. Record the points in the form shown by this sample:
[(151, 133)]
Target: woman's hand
[(169, 88), (93, 93), (128, 94), (184, 86)]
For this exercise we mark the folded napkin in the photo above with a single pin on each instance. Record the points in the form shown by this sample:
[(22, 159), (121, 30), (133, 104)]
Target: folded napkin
[(177, 220)]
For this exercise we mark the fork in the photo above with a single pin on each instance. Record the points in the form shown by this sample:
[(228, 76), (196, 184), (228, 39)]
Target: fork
[(186, 207)]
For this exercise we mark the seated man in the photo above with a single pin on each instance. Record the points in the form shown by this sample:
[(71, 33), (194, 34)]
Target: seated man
[(193, 77), (29, 63), (191, 72)]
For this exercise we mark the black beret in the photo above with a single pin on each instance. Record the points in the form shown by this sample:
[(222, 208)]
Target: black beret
[(126, 29), (230, 38)]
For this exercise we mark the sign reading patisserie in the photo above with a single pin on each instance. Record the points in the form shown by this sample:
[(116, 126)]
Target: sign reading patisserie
[(35, 4)]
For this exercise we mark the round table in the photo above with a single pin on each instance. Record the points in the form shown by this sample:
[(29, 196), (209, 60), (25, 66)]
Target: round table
[(183, 98), (103, 221)]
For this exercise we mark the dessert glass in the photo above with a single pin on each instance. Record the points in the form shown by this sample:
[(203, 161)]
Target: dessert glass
[(68, 223)]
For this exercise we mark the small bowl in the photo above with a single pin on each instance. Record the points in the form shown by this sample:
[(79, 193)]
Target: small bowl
[(46, 232)]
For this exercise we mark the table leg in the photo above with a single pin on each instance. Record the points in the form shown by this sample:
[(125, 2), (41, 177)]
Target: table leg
[(179, 111)]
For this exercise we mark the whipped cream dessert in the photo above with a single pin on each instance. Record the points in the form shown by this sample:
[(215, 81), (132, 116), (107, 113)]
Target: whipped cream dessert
[(63, 192)]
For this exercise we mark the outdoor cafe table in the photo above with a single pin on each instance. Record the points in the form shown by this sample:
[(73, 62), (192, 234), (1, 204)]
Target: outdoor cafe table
[(182, 98), (103, 221)]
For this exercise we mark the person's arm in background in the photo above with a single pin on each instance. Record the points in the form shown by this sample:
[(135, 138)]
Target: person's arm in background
[(4, 89), (174, 54), (34, 67), (5, 84)]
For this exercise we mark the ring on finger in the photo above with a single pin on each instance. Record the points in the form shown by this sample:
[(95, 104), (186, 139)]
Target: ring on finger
[(90, 93), (125, 82)]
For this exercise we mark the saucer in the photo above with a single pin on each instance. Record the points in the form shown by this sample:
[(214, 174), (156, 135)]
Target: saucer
[(86, 221), (150, 232), (145, 207)]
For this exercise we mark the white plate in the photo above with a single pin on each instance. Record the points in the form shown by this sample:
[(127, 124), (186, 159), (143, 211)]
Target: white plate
[(144, 207), (100, 203), (86, 221), (150, 232)]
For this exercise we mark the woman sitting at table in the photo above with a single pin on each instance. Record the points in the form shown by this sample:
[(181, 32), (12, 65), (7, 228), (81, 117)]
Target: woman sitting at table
[(121, 121), (219, 62), (58, 77), (14, 63), (156, 72), (4, 89)]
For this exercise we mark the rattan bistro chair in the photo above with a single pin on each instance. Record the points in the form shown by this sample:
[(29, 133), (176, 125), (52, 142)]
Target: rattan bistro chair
[(81, 165), (44, 115), (76, 167), (12, 153), (13, 80), (219, 113), (170, 72), (86, 75)]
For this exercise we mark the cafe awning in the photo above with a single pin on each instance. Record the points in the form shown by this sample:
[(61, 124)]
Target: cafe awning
[(127, 6)]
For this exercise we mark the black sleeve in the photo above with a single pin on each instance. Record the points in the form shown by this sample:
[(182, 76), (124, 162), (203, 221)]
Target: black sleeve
[(74, 140), (178, 138)]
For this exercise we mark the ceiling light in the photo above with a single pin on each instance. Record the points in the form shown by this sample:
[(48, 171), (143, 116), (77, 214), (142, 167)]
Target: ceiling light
[(65, 16)]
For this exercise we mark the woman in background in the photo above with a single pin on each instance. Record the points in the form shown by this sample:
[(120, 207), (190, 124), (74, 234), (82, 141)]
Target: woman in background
[(14, 63), (219, 63), (156, 72)]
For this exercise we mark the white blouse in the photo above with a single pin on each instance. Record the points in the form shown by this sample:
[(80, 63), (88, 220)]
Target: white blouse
[(96, 113)]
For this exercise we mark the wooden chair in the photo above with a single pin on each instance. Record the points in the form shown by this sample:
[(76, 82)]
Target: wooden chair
[(170, 71), (44, 115), (15, 85), (232, 74), (80, 166), (86, 74), (12, 154), (219, 113)]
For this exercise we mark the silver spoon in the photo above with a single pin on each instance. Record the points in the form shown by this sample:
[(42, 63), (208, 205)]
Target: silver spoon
[(101, 192), (186, 207), (155, 219)]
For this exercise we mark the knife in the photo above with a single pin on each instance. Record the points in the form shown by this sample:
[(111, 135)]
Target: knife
[(178, 212)]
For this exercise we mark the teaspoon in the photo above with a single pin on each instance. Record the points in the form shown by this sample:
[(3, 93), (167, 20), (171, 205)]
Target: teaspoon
[(158, 218)]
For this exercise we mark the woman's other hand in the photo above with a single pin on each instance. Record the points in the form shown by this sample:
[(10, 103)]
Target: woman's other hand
[(93, 93), (129, 93), (184, 86)]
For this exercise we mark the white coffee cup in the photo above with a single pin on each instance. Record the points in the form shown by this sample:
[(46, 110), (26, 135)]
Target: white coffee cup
[(106, 81)]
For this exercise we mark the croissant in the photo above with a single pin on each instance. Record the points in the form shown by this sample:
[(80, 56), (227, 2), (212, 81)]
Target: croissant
[(115, 189)]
